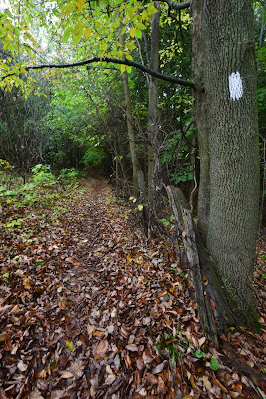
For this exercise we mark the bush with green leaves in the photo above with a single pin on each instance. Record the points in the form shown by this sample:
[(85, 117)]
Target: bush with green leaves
[(95, 157), (29, 193)]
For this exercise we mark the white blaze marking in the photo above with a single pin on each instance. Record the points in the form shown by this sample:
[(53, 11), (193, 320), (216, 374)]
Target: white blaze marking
[(235, 86)]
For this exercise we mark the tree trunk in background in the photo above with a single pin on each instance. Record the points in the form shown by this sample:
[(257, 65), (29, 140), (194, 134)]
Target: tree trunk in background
[(201, 119), (153, 114), (130, 130), (226, 116)]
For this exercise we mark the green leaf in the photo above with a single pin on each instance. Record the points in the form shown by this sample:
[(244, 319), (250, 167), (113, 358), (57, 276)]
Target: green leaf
[(66, 34), (214, 364), (140, 26), (140, 207), (77, 36), (138, 34), (67, 9), (199, 354)]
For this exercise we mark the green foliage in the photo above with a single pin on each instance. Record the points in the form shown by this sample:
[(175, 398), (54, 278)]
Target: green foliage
[(177, 156), (6, 277), (42, 175), (199, 354), (214, 364), (29, 193), (71, 174), (94, 156)]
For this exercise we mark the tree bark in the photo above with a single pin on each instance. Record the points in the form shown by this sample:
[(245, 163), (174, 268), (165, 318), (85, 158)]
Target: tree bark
[(230, 131), (201, 118), (130, 130), (153, 114)]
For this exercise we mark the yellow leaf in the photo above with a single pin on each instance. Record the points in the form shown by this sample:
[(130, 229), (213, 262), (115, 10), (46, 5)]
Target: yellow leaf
[(119, 54), (140, 207), (144, 15), (67, 9), (129, 57), (80, 4), (123, 68), (132, 32), (70, 345), (26, 282), (87, 33), (130, 45)]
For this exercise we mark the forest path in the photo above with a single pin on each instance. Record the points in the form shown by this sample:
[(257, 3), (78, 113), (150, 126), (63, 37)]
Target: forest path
[(86, 304)]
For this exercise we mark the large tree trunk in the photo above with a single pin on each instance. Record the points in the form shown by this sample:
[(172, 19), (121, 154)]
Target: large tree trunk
[(229, 132), (153, 113)]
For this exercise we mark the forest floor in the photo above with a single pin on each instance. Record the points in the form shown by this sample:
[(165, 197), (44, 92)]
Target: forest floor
[(90, 309)]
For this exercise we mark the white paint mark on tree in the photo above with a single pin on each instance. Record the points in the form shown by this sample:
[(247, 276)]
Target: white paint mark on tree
[(235, 86)]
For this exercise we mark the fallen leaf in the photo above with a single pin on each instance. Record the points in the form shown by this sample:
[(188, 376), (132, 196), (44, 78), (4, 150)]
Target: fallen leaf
[(150, 377), (35, 395), (22, 366), (90, 328), (101, 349), (70, 345), (98, 333), (159, 367), (161, 386), (67, 374), (128, 360), (132, 348)]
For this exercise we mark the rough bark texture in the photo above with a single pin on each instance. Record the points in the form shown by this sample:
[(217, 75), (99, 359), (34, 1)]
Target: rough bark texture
[(131, 135), (230, 89), (153, 117), (201, 118), (130, 130)]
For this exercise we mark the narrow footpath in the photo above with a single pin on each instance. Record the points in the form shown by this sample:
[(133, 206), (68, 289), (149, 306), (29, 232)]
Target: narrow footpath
[(91, 310)]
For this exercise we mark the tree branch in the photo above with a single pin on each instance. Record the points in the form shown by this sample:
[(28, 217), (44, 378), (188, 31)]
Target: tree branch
[(143, 68), (177, 6)]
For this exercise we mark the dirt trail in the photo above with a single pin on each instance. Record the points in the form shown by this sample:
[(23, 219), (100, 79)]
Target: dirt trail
[(82, 317)]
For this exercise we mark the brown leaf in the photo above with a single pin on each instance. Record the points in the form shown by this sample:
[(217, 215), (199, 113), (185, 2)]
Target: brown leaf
[(42, 374), (35, 395), (3, 394), (150, 377), (67, 374), (132, 348), (159, 367), (128, 360), (22, 366), (63, 304), (98, 333), (15, 309), (101, 349), (161, 386)]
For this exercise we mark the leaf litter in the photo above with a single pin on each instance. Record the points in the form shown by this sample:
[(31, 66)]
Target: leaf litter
[(90, 309)]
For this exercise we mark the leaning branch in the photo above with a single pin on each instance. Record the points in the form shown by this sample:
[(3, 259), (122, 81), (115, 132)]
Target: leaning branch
[(158, 75), (177, 6)]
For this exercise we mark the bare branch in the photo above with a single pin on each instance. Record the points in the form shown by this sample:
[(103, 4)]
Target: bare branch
[(143, 68)]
